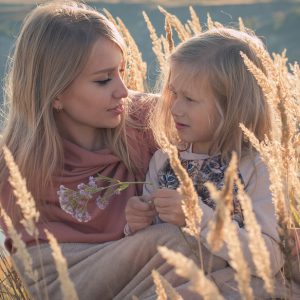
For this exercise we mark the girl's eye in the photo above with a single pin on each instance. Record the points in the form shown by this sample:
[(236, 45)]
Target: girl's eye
[(103, 82)]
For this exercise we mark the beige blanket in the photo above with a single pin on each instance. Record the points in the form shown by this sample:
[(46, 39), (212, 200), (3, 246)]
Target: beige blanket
[(120, 269)]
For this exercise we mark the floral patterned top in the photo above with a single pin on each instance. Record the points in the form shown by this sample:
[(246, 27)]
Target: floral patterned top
[(210, 169)]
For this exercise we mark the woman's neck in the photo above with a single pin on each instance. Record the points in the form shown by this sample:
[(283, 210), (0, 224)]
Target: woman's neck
[(86, 138)]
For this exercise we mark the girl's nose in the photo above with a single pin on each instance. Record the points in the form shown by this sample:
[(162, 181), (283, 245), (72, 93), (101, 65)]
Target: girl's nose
[(121, 90), (176, 108)]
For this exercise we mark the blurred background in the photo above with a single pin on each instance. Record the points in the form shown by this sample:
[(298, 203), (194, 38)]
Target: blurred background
[(277, 22)]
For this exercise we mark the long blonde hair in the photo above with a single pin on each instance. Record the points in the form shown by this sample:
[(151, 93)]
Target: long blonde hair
[(51, 50), (215, 56)]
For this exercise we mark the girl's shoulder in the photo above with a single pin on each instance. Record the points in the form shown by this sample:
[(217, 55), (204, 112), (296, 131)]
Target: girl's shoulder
[(252, 161), (159, 157), (253, 170)]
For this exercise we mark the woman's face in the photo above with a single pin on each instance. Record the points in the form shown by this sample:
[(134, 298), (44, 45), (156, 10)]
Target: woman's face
[(95, 99)]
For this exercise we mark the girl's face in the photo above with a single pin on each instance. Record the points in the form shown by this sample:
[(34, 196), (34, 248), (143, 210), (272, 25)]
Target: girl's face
[(193, 109), (95, 99)]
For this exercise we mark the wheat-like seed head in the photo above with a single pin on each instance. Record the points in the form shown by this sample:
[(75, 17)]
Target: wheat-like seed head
[(260, 254), (23, 197), (210, 23), (186, 268), (110, 17), (160, 291), (156, 43), (241, 25), (224, 200), (137, 68), (176, 23), (190, 205), (164, 288), (237, 260), (67, 286), (195, 21), (21, 252), (188, 27), (163, 285), (224, 228), (168, 29)]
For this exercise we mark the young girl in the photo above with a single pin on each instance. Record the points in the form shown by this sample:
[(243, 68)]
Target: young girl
[(69, 119), (207, 93)]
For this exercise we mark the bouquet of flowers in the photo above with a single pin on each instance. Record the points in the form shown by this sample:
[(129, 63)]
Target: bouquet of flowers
[(74, 202)]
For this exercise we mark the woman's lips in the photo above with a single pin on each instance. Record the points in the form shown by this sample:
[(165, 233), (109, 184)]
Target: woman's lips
[(117, 110)]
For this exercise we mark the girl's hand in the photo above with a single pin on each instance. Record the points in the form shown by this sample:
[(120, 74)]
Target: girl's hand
[(139, 215), (168, 206)]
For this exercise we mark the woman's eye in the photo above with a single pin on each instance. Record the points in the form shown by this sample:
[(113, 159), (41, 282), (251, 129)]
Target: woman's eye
[(189, 99), (103, 82)]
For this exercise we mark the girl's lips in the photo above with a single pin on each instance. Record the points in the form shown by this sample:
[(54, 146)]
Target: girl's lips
[(117, 110)]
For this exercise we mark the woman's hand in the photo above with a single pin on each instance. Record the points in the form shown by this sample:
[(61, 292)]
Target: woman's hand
[(139, 214), (168, 206)]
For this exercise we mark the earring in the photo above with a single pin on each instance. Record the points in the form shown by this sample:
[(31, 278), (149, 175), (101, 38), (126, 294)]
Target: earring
[(59, 108)]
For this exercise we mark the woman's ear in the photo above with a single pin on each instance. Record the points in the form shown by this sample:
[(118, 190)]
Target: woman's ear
[(57, 104)]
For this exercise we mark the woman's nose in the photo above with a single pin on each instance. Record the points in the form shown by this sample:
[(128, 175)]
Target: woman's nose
[(121, 90)]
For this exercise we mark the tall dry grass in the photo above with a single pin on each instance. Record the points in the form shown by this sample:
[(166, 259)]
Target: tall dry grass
[(280, 152)]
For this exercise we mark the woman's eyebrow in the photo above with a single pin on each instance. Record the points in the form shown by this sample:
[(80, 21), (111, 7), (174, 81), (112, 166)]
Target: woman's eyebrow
[(108, 70)]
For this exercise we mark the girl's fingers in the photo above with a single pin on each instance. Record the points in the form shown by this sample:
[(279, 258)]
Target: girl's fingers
[(136, 205), (135, 219), (162, 193), (167, 202), (178, 220)]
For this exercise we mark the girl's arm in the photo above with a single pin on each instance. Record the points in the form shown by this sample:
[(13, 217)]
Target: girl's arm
[(156, 162), (257, 185)]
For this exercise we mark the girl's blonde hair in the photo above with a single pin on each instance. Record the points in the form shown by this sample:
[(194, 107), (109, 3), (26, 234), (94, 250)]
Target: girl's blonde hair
[(215, 56), (51, 50)]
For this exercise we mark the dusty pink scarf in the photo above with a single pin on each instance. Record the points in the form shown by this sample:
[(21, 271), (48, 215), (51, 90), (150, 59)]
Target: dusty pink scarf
[(105, 224)]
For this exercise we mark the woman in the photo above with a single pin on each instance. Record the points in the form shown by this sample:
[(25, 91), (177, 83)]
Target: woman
[(70, 118)]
